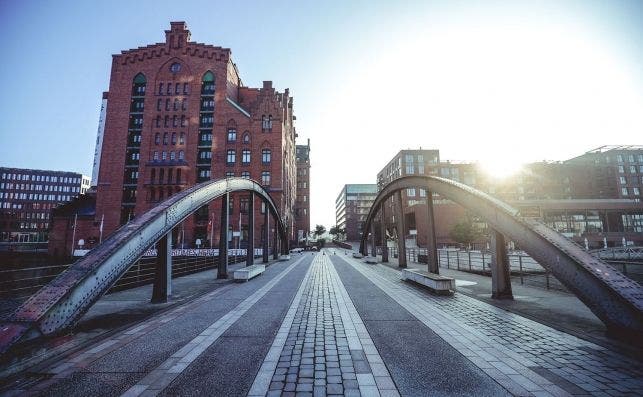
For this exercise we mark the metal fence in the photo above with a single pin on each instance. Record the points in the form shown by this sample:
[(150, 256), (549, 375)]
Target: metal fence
[(523, 267)]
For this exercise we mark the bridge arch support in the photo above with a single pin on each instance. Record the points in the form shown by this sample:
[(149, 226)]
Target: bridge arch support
[(611, 296), (62, 302)]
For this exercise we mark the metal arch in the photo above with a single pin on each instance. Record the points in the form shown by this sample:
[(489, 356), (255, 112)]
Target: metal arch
[(614, 298), (65, 299)]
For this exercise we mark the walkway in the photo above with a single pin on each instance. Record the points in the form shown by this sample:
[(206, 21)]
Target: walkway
[(329, 324)]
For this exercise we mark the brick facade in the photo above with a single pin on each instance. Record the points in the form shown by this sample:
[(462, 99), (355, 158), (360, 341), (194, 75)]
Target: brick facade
[(176, 112)]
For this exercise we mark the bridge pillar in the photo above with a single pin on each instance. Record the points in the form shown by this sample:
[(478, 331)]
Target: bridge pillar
[(250, 250), (401, 241), (266, 235), (222, 270), (373, 244), (275, 241), (432, 245), (162, 288), (383, 233), (500, 270)]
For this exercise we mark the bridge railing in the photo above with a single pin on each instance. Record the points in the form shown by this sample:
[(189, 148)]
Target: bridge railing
[(522, 266)]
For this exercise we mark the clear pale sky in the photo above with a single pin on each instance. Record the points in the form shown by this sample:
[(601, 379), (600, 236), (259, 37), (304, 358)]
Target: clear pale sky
[(502, 82)]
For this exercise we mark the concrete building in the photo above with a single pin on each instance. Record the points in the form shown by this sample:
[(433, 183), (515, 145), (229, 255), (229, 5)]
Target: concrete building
[(178, 114), (302, 203), (27, 198), (352, 206)]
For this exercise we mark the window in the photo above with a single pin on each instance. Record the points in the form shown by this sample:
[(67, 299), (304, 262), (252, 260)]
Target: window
[(158, 121), (205, 155), (636, 191), (410, 192), (181, 155), (178, 176), (182, 138), (159, 104), (182, 120), (172, 155), (630, 158), (246, 137), (232, 135), (244, 205), (422, 192), (265, 178), (207, 83), (169, 88), (152, 175), (624, 191), (621, 169), (229, 174), (204, 173), (161, 175), (174, 121), (164, 155), (622, 180), (231, 157), (169, 176), (157, 138), (177, 88), (245, 156), (160, 88), (165, 138), (185, 89), (266, 123), (166, 121), (632, 169), (619, 158), (156, 156), (176, 104), (167, 104), (265, 156), (184, 104), (245, 174)]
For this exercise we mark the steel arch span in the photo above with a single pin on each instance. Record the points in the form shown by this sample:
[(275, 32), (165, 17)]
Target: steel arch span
[(614, 298), (62, 302)]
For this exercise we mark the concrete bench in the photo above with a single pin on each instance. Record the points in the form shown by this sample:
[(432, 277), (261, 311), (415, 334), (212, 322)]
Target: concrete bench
[(246, 273), (370, 260), (439, 284)]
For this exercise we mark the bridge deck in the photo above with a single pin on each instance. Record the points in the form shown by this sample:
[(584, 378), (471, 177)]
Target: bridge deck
[(331, 324)]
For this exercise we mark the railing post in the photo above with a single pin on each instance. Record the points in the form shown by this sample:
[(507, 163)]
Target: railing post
[(401, 242), (483, 265), (448, 260), (162, 289), (266, 234), (500, 270), (520, 263), (222, 270), (275, 241), (457, 259), (432, 245), (383, 233), (469, 254), (250, 249)]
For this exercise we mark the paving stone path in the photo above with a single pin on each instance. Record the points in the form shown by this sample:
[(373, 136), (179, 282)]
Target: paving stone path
[(525, 357), (327, 351)]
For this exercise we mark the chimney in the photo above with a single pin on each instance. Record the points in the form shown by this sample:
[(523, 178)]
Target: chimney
[(178, 35)]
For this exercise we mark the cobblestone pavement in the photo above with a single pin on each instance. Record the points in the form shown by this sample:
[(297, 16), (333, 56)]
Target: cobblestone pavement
[(327, 350), (525, 357)]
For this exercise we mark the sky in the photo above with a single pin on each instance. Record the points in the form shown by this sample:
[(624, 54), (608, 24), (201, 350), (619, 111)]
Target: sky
[(499, 82)]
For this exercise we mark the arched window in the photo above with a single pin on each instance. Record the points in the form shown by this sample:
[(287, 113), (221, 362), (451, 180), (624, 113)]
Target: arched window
[(172, 155), (176, 100), (138, 85), (266, 155), (157, 138), (167, 104), (207, 83), (181, 155), (174, 121), (165, 138), (246, 137), (245, 156), (160, 88), (182, 120), (182, 139), (174, 138)]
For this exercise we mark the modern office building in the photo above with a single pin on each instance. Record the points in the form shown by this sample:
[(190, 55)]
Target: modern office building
[(27, 198), (352, 207), (302, 202), (177, 114)]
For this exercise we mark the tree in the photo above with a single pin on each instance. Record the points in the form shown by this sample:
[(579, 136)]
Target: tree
[(466, 231), (337, 231), (319, 230)]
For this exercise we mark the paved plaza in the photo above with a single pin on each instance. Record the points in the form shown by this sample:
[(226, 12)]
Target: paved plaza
[(328, 324)]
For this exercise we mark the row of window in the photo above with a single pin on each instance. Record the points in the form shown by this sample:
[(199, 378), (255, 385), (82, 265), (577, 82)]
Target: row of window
[(630, 158), (169, 138), (46, 188), (32, 225), (31, 215), (632, 169), (39, 178), (171, 155), (178, 104), (633, 180), (162, 176), (174, 89), (231, 157), (35, 196), (634, 191), (176, 121), (159, 193), (265, 175)]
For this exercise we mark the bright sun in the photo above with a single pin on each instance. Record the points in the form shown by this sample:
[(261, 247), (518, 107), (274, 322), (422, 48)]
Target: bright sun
[(500, 169)]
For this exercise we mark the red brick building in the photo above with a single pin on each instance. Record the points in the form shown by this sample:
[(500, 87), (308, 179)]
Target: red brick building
[(177, 114), (302, 203)]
